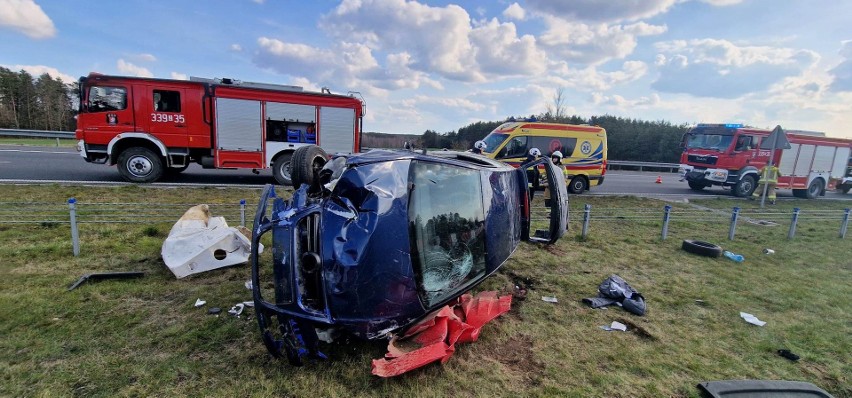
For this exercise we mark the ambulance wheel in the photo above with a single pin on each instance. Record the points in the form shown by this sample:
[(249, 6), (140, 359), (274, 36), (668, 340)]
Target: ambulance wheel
[(282, 168), (701, 248), (305, 167), (139, 164), (745, 187), (815, 189), (578, 185)]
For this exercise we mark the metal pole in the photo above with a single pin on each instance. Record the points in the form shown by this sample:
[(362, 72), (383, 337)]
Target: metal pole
[(735, 214), (844, 225), (243, 212), (793, 222), (57, 142), (667, 211), (586, 211), (75, 236)]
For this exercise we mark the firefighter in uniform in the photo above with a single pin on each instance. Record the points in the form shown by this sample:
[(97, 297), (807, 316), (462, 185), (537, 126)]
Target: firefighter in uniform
[(532, 174), (478, 147), (556, 158), (768, 177)]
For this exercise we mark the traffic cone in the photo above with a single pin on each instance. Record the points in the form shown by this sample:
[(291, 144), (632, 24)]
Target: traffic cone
[(659, 180)]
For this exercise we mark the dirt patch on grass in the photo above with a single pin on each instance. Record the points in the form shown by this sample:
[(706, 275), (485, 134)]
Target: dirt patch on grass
[(638, 330), (519, 289), (517, 355)]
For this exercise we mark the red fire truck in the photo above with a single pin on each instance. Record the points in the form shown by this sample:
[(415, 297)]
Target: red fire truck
[(729, 155), (151, 127)]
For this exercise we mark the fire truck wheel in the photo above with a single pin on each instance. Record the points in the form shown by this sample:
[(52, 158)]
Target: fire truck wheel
[(745, 187), (305, 166), (281, 169), (701, 248), (815, 189), (138, 164), (578, 185)]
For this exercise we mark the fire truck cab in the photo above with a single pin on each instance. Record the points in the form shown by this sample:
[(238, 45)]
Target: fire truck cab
[(153, 127), (729, 155)]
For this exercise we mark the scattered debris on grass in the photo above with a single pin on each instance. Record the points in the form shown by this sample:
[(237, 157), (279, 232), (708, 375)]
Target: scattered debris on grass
[(237, 309), (549, 299), (105, 275), (752, 319), (614, 326), (768, 251), (199, 303), (788, 354), (214, 310), (615, 290)]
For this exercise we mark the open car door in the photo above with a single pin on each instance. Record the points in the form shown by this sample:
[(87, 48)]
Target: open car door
[(544, 224)]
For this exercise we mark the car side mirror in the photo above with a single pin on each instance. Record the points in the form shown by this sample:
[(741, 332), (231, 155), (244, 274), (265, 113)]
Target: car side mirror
[(546, 220)]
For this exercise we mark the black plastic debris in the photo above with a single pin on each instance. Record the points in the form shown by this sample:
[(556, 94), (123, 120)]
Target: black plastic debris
[(214, 310), (105, 275), (789, 355), (615, 290)]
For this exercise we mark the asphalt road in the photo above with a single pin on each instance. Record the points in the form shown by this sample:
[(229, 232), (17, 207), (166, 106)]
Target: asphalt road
[(27, 164)]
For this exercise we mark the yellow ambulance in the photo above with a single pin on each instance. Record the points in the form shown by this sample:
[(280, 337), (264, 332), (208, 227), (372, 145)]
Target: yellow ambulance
[(583, 148)]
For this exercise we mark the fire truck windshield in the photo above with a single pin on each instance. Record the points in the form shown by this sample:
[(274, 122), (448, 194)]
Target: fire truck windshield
[(717, 142)]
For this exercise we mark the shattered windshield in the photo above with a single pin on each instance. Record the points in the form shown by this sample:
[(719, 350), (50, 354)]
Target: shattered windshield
[(493, 141), (447, 221), (717, 142)]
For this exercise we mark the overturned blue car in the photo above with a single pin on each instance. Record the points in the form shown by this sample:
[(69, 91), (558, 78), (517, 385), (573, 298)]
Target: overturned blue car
[(370, 243)]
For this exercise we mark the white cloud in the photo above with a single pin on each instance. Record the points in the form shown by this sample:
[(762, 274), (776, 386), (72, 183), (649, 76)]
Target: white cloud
[(236, 47), (144, 57), (591, 79), (600, 11), (133, 70), (38, 70), (719, 68), (593, 44), (179, 76), (499, 50), (26, 17), (842, 73), (515, 11), (722, 3), (617, 101)]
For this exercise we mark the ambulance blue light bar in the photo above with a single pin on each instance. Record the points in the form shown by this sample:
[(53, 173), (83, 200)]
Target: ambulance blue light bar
[(725, 125)]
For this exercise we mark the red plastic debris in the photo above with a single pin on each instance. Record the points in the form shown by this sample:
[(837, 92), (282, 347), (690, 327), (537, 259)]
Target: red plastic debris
[(438, 333)]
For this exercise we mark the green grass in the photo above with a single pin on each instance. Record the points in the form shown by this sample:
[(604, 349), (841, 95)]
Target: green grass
[(66, 143), (143, 337)]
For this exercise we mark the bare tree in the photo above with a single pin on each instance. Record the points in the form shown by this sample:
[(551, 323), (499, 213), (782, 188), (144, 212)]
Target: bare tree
[(556, 110)]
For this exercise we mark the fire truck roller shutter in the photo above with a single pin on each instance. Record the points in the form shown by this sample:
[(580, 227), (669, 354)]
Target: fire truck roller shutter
[(841, 159), (337, 129), (291, 112), (238, 125)]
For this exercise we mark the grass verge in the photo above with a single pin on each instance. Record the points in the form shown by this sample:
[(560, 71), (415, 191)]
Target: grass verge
[(143, 337)]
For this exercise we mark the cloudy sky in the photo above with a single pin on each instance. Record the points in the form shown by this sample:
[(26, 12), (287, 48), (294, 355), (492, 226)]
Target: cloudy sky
[(441, 65)]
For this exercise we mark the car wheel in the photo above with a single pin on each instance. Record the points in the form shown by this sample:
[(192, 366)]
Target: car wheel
[(745, 187), (578, 185), (845, 188), (305, 166), (139, 164), (701, 248), (815, 189), (282, 169), (696, 186)]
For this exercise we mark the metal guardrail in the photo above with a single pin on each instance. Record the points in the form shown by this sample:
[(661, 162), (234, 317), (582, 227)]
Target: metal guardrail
[(36, 133), (642, 165)]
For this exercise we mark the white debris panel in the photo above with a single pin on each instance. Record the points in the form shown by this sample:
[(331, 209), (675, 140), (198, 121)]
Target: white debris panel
[(199, 243)]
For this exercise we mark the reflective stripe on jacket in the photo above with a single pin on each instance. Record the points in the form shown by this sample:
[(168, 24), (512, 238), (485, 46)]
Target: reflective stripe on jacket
[(769, 174)]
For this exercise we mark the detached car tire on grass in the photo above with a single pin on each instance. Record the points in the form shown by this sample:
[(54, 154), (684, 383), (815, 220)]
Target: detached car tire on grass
[(701, 248), (372, 243)]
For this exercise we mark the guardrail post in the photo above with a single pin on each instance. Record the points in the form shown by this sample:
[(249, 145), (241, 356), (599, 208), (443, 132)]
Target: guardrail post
[(75, 236), (667, 211), (845, 224), (793, 222), (586, 212), (243, 212), (735, 214)]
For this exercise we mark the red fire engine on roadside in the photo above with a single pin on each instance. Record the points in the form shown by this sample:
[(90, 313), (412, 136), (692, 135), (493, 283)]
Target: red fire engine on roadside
[(151, 127), (729, 155)]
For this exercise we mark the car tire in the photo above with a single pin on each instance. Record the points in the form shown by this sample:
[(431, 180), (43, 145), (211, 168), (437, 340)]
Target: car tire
[(305, 165), (696, 186), (845, 189), (282, 169), (578, 185), (745, 187), (139, 164), (815, 189), (701, 248)]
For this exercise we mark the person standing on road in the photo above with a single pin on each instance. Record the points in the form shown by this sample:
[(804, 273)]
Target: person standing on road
[(769, 178)]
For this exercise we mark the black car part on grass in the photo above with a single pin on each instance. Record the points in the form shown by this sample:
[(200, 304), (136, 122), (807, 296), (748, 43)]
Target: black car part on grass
[(762, 389), (105, 275), (701, 248), (616, 290)]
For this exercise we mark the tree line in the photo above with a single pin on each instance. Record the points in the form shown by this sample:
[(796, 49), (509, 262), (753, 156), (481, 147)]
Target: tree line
[(36, 103)]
